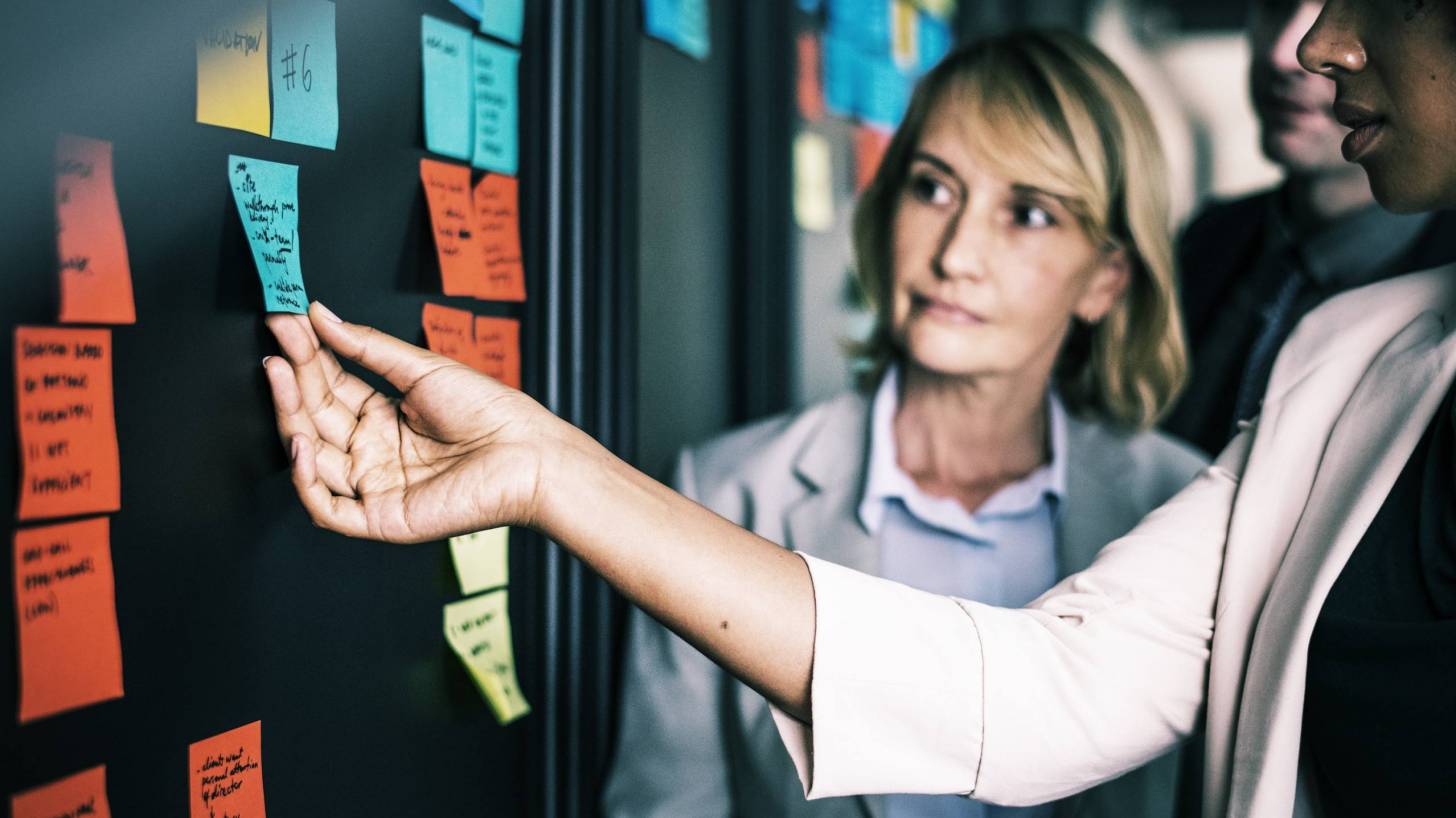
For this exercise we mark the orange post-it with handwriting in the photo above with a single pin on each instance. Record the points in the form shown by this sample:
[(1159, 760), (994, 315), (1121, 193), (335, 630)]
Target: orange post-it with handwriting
[(498, 349), (82, 795), (447, 193), (95, 271), (225, 774), (498, 227), (65, 615), (450, 332), (67, 423)]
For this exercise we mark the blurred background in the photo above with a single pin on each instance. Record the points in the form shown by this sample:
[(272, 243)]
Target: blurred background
[(744, 304)]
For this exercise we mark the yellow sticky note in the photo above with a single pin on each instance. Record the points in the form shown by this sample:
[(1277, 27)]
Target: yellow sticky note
[(232, 70), (482, 559), (479, 631), (813, 182)]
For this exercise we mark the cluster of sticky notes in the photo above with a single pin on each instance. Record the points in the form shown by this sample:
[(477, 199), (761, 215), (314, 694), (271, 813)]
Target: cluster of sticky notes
[(67, 423), (873, 52), (225, 774), (502, 19), (471, 96), (266, 195), (482, 559), (82, 795), (479, 631), (477, 231), (682, 24), (239, 57), (487, 344), (91, 245)]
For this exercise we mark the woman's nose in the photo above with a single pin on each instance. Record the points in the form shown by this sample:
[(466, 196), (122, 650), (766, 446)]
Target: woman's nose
[(1332, 45), (961, 249)]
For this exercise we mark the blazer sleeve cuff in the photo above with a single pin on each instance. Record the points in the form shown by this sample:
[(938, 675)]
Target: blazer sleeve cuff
[(896, 691)]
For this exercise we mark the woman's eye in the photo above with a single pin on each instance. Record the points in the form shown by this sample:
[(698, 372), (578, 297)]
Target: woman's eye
[(930, 190), (1030, 215)]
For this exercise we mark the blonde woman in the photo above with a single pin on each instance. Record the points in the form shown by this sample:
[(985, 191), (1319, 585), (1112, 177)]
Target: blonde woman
[(1026, 338)]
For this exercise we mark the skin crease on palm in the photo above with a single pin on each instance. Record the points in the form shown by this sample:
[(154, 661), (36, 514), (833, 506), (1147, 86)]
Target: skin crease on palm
[(1394, 63)]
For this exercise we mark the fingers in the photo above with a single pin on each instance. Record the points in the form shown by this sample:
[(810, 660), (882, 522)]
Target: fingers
[(327, 510), (316, 373), (400, 363)]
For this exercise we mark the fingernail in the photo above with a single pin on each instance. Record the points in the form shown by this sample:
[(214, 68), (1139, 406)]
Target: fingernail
[(328, 313), (266, 359)]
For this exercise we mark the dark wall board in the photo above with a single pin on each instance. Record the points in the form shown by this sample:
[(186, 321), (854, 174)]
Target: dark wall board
[(231, 606)]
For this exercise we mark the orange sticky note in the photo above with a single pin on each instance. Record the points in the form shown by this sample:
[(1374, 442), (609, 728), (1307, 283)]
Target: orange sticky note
[(498, 227), (450, 332), (810, 90), (498, 349), (65, 614), (869, 150), (82, 795), (447, 192), (226, 774), (95, 272), (67, 422)]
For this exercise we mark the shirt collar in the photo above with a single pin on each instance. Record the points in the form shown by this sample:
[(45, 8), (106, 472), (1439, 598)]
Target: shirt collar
[(885, 481), (1353, 250)]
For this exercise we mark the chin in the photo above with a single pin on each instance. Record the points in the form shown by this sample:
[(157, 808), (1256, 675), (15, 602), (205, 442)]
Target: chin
[(1408, 193)]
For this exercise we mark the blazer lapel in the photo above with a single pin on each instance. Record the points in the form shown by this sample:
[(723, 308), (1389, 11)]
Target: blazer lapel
[(1371, 441), (1099, 511)]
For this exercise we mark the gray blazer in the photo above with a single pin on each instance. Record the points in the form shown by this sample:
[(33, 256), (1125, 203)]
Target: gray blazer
[(695, 742)]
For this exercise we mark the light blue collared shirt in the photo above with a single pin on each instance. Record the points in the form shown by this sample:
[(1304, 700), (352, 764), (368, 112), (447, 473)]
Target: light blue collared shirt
[(1002, 554)]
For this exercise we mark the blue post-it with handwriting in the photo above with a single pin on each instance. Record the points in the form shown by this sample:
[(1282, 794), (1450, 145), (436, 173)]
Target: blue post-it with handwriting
[(503, 19), (266, 194), (496, 107), (305, 73), (445, 50)]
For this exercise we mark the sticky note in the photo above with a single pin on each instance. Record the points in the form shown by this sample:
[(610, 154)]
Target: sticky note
[(482, 559), (813, 183), (935, 41), (841, 76), (452, 220), (225, 774), (91, 245), (67, 421), (470, 7), (498, 230), (479, 631), (942, 9), (503, 19), (232, 69), (266, 194), (905, 34), (449, 104), (82, 795), (864, 23), (450, 332), (305, 73), (494, 75), (498, 349), (884, 93), (870, 145), (682, 24), (810, 93), (65, 614)]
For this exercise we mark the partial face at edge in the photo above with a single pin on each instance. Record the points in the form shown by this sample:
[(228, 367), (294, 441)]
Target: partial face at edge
[(1298, 130)]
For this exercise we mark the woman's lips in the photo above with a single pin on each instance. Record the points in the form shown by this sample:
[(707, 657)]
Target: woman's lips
[(945, 311), (1365, 125)]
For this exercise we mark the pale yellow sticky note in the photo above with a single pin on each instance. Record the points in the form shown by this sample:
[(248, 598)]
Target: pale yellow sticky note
[(479, 631), (482, 559), (232, 70), (813, 182), (904, 28)]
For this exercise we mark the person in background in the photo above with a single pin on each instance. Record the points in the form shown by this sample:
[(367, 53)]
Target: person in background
[(1026, 338), (1252, 267)]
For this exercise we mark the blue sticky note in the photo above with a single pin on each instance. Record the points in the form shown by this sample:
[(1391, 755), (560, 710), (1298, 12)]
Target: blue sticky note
[(305, 74), (935, 40), (503, 19), (841, 76), (445, 50), (864, 23), (810, 6), (683, 24), (470, 7), (496, 107), (266, 194), (884, 93)]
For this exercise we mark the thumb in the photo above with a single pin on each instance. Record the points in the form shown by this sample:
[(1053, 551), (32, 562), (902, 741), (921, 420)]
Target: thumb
[(402, 364)]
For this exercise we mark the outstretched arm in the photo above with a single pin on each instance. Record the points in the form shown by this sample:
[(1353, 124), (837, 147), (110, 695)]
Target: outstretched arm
[(457, 451)]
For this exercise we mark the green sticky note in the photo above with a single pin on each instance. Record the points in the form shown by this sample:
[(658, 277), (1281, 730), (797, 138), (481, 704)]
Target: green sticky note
[(266, 194), (494, 74), (449, 104), (305, 73), (503, 19), (479, 631), (482, 559)]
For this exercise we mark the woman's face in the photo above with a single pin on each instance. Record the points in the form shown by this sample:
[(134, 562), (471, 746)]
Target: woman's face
[(988, 273), (1394, 67)]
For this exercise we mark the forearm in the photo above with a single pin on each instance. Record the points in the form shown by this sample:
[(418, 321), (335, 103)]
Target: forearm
[(742, 600)]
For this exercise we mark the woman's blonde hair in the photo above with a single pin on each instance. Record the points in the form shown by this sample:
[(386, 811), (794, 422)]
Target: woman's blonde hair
[(1047, 109)]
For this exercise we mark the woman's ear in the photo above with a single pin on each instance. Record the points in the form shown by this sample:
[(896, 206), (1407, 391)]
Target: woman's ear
[(1110, 279)]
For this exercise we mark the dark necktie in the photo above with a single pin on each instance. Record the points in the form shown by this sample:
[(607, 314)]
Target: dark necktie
[(1279, 318)]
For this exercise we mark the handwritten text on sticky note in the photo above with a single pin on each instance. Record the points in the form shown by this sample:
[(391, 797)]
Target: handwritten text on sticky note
[(449, 332), (66, 416), (479, 631), (494, 72), (447, 194), (449, 106), (226, 774), (266, 194), (232, 69), (95, 270), (65, 600), (498, 347), (498, 229), (82, 795), (305, 73)]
